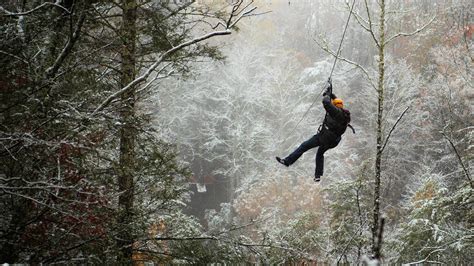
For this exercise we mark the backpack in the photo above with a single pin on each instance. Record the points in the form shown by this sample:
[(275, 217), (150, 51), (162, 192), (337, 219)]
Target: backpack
[(347, 115)]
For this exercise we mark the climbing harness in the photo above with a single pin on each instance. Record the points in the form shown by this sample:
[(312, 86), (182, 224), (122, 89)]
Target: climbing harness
[(329, 82), (351, 127)]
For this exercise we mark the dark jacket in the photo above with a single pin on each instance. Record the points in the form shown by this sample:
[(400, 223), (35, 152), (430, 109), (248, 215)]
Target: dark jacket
[(336, 119)]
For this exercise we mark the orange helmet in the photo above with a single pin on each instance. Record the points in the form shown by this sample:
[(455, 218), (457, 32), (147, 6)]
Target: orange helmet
[(338, 102)]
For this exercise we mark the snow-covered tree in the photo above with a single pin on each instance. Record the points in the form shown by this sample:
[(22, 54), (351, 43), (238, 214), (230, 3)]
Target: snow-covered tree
[(83, 175), (438, 224)]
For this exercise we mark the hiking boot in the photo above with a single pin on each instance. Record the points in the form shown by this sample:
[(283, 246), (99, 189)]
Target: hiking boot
[(317, 178), (282, 161)]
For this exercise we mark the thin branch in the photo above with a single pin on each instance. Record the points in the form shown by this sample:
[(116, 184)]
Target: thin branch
[(350, 240), (393, 128), (6, 191), (251, 223), (197, 238), (245, 7), (6, 148), (13, 14), (410, 33), (248, 245), (171, 51), (245, 14), (157, 76), (176, 11), (102, 19), (371, 30), (360, 20), (14, 56), (51, 71), (148, 72), (234, 9), (366, 73), (241, 14), (258, 14), (217, 25), (466, 172), (423, 261)]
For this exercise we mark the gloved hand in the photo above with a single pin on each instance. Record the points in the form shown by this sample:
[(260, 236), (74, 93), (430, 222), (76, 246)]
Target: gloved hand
[(328, 89)]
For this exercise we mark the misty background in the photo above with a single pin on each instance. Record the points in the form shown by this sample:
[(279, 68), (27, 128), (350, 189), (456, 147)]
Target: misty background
[(179, 167)]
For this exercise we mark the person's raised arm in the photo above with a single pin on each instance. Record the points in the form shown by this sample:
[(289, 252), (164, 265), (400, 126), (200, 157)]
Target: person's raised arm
[(327, 96)]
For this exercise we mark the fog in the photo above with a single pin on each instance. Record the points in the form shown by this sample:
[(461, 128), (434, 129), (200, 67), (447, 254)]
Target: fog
[(170, 132)]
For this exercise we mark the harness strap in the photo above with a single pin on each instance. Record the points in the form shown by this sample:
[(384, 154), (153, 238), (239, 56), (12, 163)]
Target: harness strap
[(351, 127), (320, 128), (323, 125)]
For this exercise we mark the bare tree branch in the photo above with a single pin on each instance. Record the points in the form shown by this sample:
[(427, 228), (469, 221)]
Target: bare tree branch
[(51, 71), (325, 48), (241, 14), (234, 10), (365, 24), (422, 261), (150, 70), (47, 205), (362, 226), (393, 128), (157, 76), (409, 34), (14, 56), (371, 30), (466, 171), (248, 245), (13, 14), (171, 51), (360, 20)]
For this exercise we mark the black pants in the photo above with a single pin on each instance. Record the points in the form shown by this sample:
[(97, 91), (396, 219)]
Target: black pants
[(325, 141)]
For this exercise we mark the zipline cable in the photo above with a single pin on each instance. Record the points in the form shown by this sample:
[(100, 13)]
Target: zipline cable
[(342, 39), (332, 70)]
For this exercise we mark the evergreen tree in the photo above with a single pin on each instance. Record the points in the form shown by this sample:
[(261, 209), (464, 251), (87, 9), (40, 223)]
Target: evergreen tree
[(84, 175)]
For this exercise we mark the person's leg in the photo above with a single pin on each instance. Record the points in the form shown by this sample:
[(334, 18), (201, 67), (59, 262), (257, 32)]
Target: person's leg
[(320, 156), (320, 161), (305, 146)]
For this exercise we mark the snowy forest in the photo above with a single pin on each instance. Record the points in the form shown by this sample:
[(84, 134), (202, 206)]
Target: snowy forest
[(144, 132)]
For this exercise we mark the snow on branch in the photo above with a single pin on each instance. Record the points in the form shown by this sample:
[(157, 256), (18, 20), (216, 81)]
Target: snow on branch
[(13, 14), (410, 33), (422, 262), (148, 72), (237, 12)]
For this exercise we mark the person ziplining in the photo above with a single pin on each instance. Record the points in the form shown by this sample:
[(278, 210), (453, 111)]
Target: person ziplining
[(334, 125), (329, 134)]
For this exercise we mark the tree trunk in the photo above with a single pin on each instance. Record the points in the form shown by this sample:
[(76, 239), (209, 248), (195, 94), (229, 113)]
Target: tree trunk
[(378, 158), (127, 133)]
